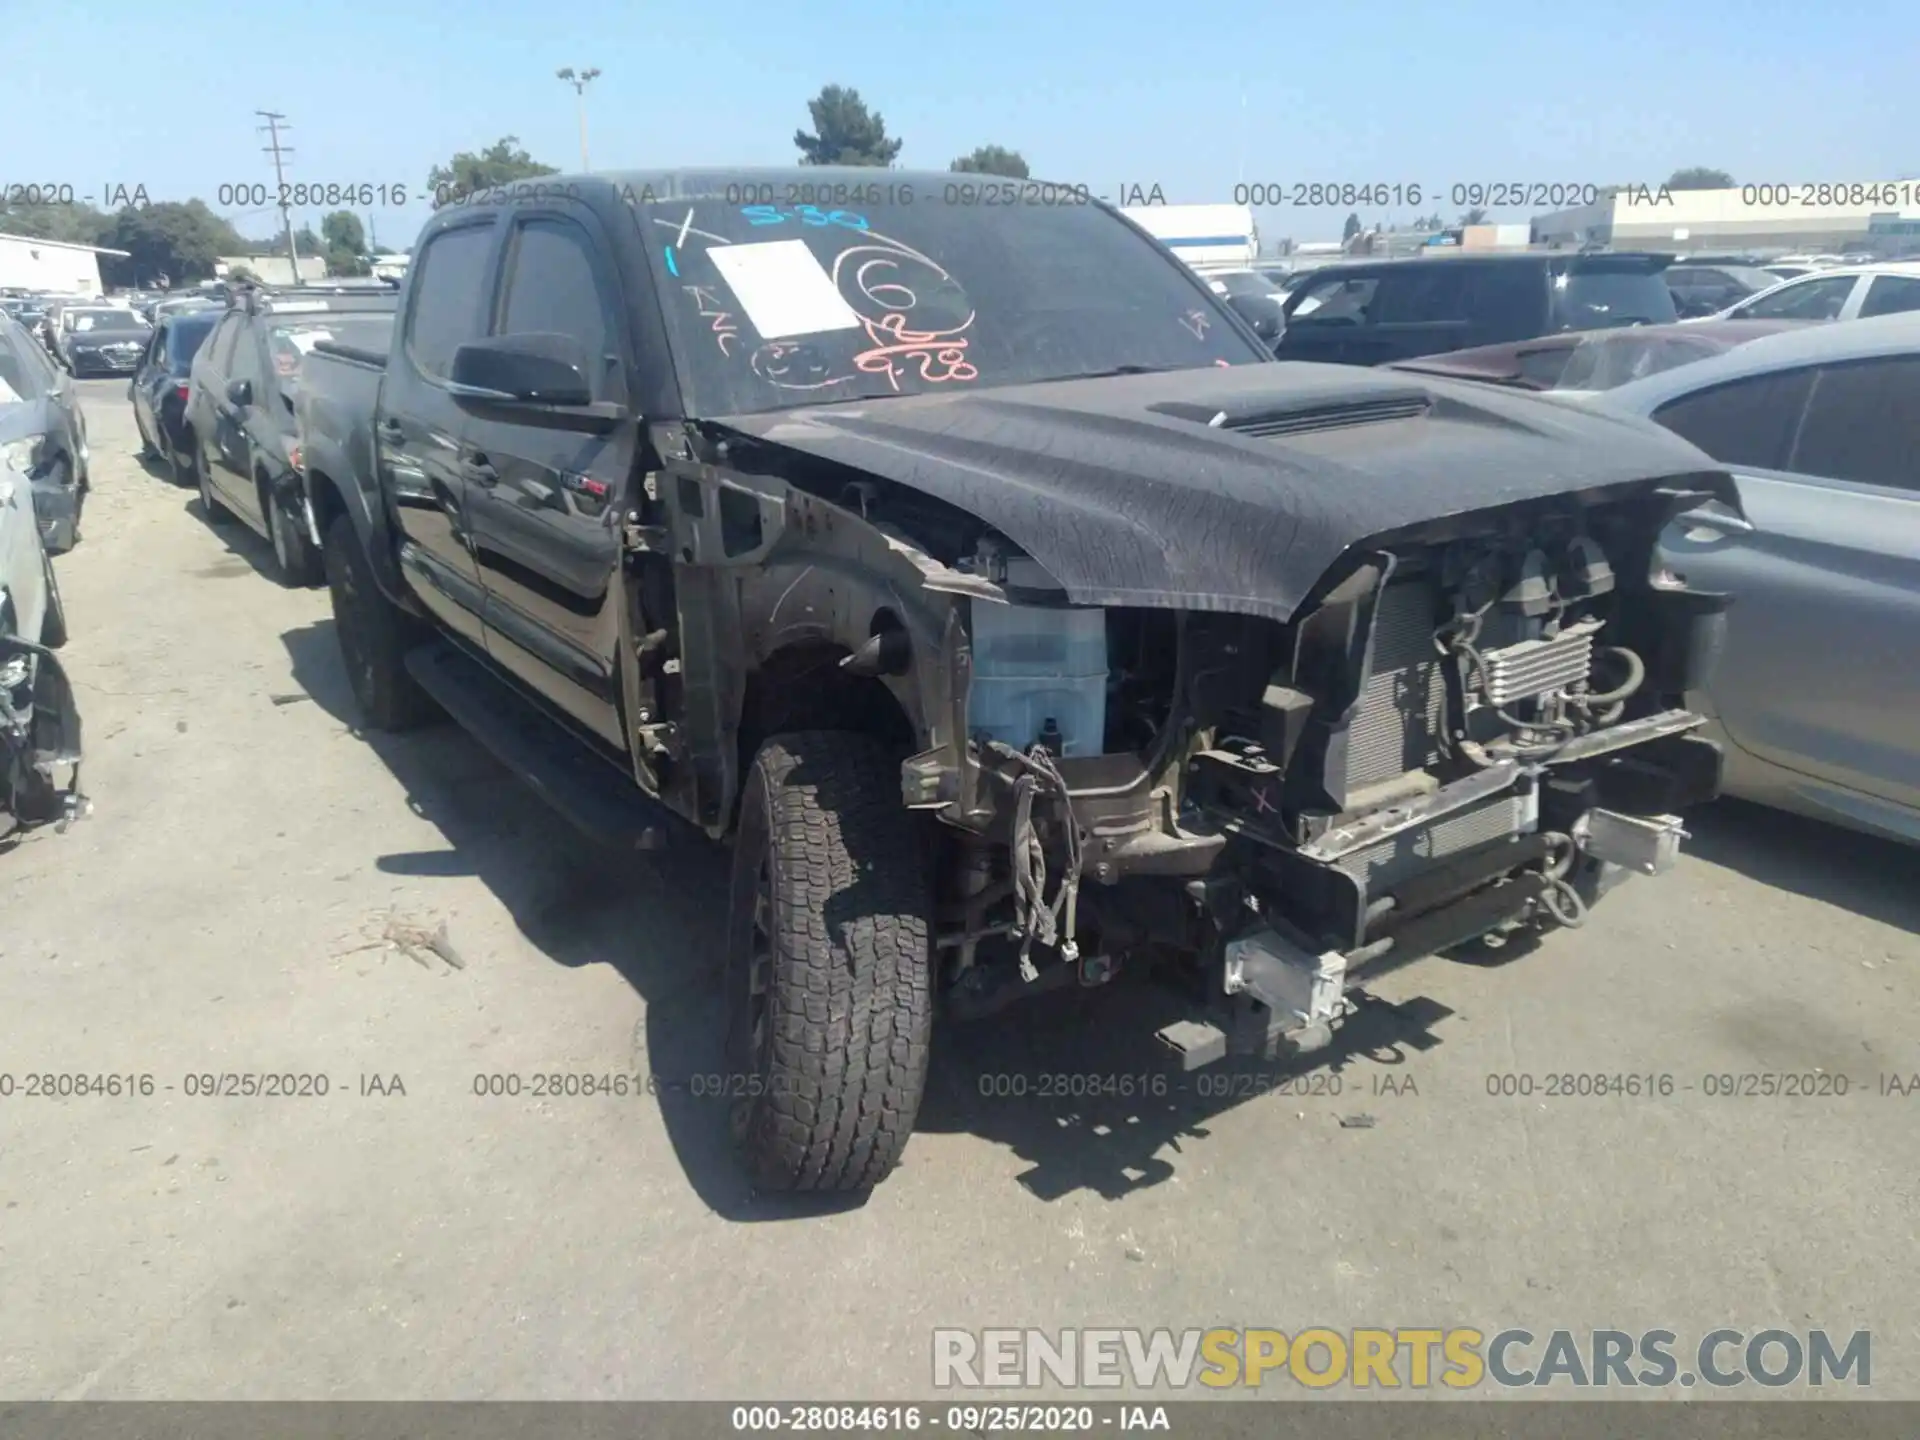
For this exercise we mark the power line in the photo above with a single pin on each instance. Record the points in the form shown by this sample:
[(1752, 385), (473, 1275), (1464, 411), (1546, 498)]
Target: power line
[(274, 148)]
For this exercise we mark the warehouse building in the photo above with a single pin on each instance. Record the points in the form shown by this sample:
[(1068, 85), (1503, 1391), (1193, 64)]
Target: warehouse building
[(1881, 219), (51, 267)]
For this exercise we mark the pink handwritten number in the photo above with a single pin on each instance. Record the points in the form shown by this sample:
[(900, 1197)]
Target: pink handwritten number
[(931, 348)]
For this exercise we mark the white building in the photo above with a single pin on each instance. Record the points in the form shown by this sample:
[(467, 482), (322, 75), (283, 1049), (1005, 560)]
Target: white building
[(1207, 237), (58, 267), (1883, 217)]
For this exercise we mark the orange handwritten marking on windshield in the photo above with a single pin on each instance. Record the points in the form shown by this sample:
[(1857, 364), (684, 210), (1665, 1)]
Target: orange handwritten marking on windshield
[(930, 348)]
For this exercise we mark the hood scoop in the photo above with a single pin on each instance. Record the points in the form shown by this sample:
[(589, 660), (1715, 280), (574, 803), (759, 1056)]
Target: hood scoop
[(1270, 420)]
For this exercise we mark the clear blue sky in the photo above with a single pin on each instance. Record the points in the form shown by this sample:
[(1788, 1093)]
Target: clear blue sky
[(1105, 94)]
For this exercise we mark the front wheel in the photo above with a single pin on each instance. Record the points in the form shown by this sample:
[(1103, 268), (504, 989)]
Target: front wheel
[(828, 966), (375, 635), (53, 624)]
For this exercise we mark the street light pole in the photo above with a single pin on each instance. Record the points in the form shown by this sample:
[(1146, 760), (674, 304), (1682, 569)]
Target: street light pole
[(580, 79)]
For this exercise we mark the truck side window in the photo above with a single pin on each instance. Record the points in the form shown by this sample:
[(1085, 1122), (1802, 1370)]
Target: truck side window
[(449, 297), (551, 290)]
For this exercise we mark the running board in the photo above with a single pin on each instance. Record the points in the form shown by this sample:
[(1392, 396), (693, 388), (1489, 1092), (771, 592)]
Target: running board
[(588, 792)]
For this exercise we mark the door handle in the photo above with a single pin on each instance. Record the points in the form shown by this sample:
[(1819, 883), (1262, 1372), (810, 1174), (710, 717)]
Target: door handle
[(539, 493), (1722, 522), (478, 469), (392, 429)]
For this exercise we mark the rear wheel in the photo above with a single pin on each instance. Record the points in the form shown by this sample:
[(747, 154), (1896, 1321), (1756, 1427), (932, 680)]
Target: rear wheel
[(375, 635), (828, 966), (293, 550), (211, 510), (184, 469)]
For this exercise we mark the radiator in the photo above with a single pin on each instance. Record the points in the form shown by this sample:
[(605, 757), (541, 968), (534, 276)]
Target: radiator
[(1396, 727)]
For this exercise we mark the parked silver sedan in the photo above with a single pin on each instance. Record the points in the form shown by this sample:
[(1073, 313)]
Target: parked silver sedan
[(1817, 696), (39, 722)]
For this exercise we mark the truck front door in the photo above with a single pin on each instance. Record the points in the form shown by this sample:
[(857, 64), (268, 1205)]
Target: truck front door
[(546, 516), (418, 430)]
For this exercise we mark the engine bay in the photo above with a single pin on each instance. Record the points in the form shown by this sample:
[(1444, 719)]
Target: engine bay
[(1416, 760)]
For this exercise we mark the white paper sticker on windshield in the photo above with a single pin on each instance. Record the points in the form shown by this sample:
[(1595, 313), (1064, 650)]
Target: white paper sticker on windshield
[(305, 340), (783, 289)]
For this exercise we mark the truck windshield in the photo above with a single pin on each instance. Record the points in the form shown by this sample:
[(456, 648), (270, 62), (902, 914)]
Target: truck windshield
[(775, 305)]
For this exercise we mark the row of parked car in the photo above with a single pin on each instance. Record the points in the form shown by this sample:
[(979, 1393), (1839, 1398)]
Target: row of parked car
[(1372, 312), (43, 457)]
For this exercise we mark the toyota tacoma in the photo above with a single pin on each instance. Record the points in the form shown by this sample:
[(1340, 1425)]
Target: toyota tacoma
[(955, 553)]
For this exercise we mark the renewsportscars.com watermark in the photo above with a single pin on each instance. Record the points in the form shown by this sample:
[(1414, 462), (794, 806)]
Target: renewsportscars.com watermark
[(1459, 1358)]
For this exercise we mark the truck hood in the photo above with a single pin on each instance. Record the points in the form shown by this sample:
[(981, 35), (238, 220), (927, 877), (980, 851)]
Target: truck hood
[(1227, 488)]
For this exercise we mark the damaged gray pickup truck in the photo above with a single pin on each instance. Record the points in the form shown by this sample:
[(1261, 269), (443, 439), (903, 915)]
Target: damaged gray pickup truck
[(946, 545)]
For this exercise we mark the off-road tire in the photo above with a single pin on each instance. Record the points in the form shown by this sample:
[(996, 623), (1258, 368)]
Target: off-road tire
[(825, 1100), (374, 634), (53, 623)]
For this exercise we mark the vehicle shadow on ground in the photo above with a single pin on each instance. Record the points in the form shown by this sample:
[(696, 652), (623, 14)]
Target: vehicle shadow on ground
[(247, 554), (1033, 1079), (1861, 873)]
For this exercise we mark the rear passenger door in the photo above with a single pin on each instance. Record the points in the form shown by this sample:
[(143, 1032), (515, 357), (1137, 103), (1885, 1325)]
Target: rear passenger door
[(1420, 308), (208, 378), (233, 462), (1820, 674), (418, 430), (546, 515)]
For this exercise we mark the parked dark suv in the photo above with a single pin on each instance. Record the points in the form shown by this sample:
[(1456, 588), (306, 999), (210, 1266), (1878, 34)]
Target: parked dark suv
[(1367, 314), (240, 408), (159, 387)]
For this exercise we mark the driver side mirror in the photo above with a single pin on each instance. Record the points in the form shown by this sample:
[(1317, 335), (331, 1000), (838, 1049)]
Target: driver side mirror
[(240, 393), (539, 379)]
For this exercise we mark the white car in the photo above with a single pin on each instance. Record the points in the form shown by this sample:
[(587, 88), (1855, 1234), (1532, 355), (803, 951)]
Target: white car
[(39, 724), (1848, 292)]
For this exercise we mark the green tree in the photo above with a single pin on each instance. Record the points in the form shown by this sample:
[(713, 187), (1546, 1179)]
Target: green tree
[(178, 240), (1699, 177), (345, 240), (993, 160), (499, 164), (845, 132), (77, 223), (1475, 216), (1351, 228)]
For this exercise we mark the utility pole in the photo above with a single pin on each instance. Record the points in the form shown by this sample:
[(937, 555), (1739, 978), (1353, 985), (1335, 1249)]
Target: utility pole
[(274, 148), (580, 80)]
